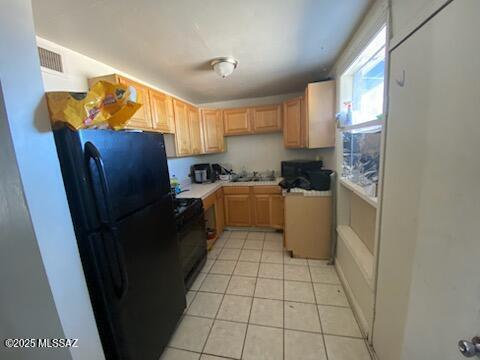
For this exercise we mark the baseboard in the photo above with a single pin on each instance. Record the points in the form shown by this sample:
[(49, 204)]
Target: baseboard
[(357, 311)]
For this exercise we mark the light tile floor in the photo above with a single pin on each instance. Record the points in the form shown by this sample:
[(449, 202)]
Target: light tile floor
[(253, 301)]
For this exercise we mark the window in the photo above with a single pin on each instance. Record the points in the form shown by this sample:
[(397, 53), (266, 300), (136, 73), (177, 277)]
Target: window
[(361, 95), (361, 157), (363, 82)]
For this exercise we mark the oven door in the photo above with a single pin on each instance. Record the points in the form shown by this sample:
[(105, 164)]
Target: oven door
[(193, 245)]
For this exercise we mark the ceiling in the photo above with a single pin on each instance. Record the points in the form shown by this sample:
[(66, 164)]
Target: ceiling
[(280, 44)]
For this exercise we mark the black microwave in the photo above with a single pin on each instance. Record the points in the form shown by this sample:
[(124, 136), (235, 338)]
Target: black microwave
[(296, 168)]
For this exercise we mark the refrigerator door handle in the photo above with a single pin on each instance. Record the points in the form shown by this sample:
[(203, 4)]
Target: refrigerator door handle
[(91, 152)]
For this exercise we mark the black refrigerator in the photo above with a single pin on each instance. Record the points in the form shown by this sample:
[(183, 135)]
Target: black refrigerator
[(118, 190)]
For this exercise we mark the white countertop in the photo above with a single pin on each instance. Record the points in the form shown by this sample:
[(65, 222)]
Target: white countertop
[(202, 191), (298, 191)]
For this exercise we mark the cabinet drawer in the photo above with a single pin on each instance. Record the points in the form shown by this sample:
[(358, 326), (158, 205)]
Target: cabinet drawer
[(236, 190), (267, 189)]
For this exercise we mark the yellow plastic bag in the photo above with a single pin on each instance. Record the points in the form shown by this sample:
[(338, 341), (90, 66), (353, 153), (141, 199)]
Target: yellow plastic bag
[(106, 105)]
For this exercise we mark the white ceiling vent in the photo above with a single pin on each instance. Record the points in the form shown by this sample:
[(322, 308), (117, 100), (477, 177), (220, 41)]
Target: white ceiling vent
[(50, 60)]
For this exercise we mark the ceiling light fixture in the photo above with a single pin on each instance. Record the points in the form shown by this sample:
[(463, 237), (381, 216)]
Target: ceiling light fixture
[(224, 66)]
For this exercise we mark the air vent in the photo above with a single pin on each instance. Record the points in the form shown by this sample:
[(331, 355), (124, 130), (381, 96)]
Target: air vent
[(50, 60)]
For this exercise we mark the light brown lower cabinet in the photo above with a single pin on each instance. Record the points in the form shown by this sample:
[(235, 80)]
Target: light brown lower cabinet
[(214, 212), (308, 226), (254, 206), (262, 211), (277, 216), (238, 210), (219, 211)]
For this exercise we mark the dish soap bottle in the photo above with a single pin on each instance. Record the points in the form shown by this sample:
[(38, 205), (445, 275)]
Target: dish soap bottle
[(348, 120), (175, 184)]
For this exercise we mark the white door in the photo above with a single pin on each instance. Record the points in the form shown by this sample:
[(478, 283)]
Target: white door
[(428, 294)]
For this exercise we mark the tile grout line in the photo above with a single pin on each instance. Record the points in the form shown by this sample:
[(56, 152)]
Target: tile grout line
[(250, 312), (318, 314), (219, 307), (213, 320), (274, 327)]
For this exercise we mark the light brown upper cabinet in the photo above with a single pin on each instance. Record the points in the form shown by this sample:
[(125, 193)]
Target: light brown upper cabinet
[(267, 118), (162, 112), (237, 121), (182, 129), (142, 119), (195, 130), (212, 126), (320, 114), (294, 123)]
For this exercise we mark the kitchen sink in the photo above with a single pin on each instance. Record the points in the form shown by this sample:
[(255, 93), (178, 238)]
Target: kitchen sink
[(253, 178)]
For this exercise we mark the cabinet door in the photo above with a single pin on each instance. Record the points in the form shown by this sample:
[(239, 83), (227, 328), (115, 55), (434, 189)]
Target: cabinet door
[(267, 118), (236, 121), (237, 210), (142, 119), (220, 212), (320, 114), (276, 211), (293, 123), (261, 205), (162, 112), (212, 126), (195, 131), (182, 132)]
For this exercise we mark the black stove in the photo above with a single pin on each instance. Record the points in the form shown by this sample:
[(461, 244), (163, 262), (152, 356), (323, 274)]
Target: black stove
[(190, 223), (183, 204)]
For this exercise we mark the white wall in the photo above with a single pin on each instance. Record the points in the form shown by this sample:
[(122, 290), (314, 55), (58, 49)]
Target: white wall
[(254, 152), (27, 307), (78, 69), (35, 218)]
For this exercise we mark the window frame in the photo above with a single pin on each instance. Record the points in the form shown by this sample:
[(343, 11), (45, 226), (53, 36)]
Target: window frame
[(347, 77)]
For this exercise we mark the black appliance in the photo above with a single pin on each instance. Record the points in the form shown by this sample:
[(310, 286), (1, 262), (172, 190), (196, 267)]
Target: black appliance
[(200, 167), (319, 179), (220, 170), (118, 190), (305, 174), (192, 237), (295, 168)]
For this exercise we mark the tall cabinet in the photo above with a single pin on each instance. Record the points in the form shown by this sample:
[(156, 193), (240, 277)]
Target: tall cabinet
[(309, 120)]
